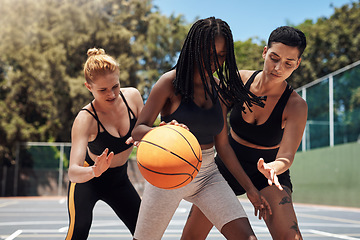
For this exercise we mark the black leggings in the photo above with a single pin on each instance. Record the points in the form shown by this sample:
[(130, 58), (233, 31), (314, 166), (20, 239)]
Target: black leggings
[(248, 158), (114, 188)]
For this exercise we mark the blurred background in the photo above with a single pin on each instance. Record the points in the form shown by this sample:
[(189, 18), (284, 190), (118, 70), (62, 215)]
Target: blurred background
[(43, 47)]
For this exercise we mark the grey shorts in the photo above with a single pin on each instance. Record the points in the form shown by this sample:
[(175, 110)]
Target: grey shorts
[(209, 191)]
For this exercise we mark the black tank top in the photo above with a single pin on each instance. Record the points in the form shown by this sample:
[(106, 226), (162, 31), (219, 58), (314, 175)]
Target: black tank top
[(105, 140), (203, 123), (268, 134)]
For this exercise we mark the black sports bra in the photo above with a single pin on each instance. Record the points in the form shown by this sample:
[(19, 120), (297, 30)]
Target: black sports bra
[(105, 140), (203, 123), (268, 134)]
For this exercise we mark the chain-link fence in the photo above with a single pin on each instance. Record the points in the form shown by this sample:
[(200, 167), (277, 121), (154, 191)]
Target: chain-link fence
[(333, 108)]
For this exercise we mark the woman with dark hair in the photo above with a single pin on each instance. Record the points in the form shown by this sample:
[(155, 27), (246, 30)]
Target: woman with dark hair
[(265, 140), (189, 94)]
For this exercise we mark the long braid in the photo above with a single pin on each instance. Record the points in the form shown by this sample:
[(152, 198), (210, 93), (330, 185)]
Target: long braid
[(199, 51)]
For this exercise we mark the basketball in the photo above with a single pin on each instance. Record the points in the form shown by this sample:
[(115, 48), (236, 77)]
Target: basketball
[(169, 156)]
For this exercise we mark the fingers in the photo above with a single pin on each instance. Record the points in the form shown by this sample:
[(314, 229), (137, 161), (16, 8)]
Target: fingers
[(130, 140), (266, 204), (260, 164), (274, 180), (174, 122), (277, 183), (102, 162), (105, 152), (269, 173), (263, 210), (110, 156), (184, 126)]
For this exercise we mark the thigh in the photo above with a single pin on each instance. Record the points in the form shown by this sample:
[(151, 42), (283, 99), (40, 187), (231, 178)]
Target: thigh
[(125, 201), (197, 226), (238, 229), (218, 202), (156, 210), (283, 223)]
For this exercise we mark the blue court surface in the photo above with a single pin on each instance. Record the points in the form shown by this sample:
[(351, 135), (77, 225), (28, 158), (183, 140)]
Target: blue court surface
[(46, 218)]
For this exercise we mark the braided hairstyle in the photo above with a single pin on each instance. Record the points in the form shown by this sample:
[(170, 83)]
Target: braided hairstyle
[(199, 51)]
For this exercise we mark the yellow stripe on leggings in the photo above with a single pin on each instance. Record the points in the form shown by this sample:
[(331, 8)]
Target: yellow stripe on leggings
[(71, 211)]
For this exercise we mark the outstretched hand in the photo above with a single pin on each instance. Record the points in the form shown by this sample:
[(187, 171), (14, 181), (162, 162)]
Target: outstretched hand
[(102, 162), (262, 207), (269, 173)]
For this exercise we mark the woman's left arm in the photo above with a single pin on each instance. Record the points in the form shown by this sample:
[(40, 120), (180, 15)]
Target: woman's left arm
[(230, 160), (295, 115)]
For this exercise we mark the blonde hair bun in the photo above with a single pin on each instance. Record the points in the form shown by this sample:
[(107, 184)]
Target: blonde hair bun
[(95, 51)]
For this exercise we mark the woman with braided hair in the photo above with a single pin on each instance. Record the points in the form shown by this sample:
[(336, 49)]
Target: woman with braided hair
[(265, 140), (189, 95), (99, 154)]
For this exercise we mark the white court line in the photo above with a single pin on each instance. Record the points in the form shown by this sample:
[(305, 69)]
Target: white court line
[(63, 229), (29, 223), (332, 235), (8, 203), (328, 218), (14, 235)]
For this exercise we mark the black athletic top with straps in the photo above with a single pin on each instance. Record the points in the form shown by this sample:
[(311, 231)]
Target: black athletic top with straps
[(203, 123), (105, 140), (268, 134)]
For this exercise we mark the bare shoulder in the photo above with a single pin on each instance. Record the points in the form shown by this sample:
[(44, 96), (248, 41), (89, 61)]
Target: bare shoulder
[(168, 77), (134, 99), (245, 75), (296, 105), (84, 121), (165, 83), (131, 92)]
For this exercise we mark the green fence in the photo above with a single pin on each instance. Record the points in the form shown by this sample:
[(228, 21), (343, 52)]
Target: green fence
[(328, 176), (333, 108)]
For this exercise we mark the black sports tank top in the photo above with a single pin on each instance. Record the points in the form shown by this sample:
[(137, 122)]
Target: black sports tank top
[(105, 140), (268, 134), (203, 123)]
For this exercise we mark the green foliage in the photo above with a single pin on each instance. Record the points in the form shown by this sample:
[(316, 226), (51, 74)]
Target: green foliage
[(332, 44), (248, 54), (44, 44)]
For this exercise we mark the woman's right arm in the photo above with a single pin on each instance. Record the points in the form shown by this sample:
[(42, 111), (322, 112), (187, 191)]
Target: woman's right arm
[(159, 95), (79, 139)]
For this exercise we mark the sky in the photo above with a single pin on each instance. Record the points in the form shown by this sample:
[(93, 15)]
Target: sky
[(251, 18)]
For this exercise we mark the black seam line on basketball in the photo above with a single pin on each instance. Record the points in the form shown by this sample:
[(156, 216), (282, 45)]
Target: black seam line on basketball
[(186, 141), (169, 174), (178, 184), (172, 153)]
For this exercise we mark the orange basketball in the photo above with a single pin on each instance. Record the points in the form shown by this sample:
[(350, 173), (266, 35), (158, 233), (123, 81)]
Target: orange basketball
[(169, 156)]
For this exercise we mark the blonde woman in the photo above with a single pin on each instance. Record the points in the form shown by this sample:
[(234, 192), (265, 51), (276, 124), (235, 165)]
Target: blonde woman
[(99, 154)]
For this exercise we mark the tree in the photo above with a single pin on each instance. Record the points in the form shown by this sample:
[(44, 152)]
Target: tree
[(332, 43), (44, 44), (248, 54)]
